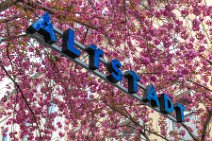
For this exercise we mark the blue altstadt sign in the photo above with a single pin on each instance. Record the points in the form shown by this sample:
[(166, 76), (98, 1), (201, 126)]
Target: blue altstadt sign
[(43, 30)]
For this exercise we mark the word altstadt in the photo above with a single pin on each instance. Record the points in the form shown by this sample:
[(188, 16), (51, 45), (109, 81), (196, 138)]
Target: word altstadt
[(43, 27)]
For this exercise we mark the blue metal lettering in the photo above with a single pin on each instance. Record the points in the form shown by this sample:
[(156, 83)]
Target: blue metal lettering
[(44, 27), (94, 58), (166, 105), (151, 96), (68, 44), (116, 74), (132, 81), (179, 109)]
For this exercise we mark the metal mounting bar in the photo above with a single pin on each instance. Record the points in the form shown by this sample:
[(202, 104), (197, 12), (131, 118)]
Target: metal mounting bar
[(96, 72), (82, 47)]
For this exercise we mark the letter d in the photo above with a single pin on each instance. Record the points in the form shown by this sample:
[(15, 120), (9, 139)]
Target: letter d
[(166, 105)]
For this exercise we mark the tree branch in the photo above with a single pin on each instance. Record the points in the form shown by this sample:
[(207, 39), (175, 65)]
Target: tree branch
[(54, 11), (205, 126), (189, 132), (7, 4), (200, 85), (135, 122), (8, 19), (22, 94), (12, 37)]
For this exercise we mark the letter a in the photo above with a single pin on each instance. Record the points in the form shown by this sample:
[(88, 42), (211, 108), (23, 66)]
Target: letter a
[(44, 27), (151, 96)]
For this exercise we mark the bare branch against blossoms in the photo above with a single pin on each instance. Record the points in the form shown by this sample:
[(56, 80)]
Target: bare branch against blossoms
[(8, 3)]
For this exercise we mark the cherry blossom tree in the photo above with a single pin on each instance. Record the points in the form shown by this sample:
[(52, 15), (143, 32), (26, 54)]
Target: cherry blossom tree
[(167, 42)]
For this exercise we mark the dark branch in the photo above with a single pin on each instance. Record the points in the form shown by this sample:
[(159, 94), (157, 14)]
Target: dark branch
[(189, 132), (12, 37), (205, 126), (200, 85), (22, 94), (135, 122), (7, 4)]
